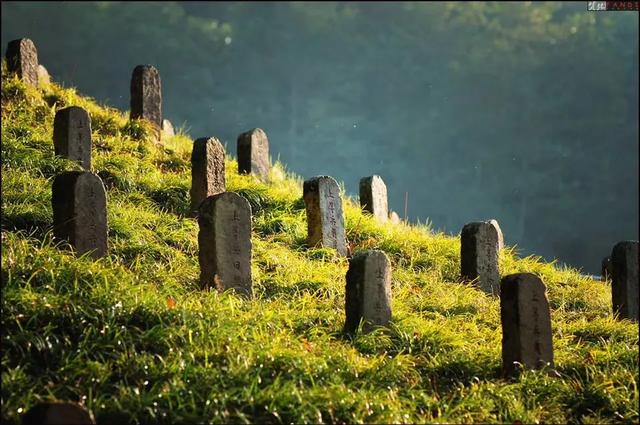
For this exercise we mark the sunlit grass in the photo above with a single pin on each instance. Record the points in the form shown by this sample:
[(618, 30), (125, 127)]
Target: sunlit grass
[(133, 338)]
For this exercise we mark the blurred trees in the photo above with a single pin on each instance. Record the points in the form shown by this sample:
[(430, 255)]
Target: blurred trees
[(525, 112)]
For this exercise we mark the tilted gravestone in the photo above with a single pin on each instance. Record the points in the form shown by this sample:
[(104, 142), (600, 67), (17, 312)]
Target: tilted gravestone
[(606, 268), (167, 127), (526, 323), (80, 212), (72, 135), (43, 75), (146, 96), (368, 291), (624, 279), (22, 59), (57, 413), (207, 170), (325, 222), (224, 242), (394, 217), (253, 154), (479, 255), (373, 197)]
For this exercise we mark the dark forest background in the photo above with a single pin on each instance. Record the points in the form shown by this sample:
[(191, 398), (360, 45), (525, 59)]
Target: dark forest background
[(523, 112)]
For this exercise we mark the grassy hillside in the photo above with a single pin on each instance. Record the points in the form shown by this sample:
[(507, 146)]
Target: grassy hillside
[(133, 338)]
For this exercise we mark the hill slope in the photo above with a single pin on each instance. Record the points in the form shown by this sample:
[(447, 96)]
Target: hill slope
[(133, 338)]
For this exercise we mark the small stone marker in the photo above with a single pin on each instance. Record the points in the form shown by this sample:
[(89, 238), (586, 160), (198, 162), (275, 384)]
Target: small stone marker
[(167, 127), (368, 291), (43, 75), (253, 154), (526, 323), (624, 279), (146, 95), (22, 59), (394, 217), (207, 170), (606, 268), (325, 222), (479, 254), (57, 413), (224, 242), (80, 212), (72, 135), (373, 197)]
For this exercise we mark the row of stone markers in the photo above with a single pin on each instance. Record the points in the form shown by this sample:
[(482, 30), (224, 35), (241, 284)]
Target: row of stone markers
[(480, 241), (224, 237)]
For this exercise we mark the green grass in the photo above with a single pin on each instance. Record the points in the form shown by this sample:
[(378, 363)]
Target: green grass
[(133, 338)]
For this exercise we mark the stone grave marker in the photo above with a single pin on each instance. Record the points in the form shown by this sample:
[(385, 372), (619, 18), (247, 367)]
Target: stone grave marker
[(207, 170), (373, 197), (80, 212), (57, 413), (325, 222), (22, 59), (167, 127), (224, 242), (368, 291), (479, 254), (605, 272), (72, 135), (394, 217), (526, 323), (146, 96), (253, 154), (43, 75), (624, 279)]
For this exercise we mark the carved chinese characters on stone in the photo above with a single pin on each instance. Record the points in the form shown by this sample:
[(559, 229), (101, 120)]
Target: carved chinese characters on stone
[(373, 197), (80, 212), (526, 323), (253, 154), (72, 135), (22, 59), (325, 221), (207, 170), (146, 96), (224, 242), (479, 254), (624, 279), (368, 291)]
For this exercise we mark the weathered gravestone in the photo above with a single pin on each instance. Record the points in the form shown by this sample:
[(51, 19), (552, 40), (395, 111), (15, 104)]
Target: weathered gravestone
[(207, 170), (368, 291), (394, 217), (57, 413), (80, 212), (224, 242), (167, 127), (606, 268), (624, 279), (22, 59), (479, 254), (373, 197), (43, 75), (146, 96), (253, 154), (72, 135), (526, 323), (325, 222)]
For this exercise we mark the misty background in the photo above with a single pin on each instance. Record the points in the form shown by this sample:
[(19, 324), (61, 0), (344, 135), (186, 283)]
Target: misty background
[(523, 112)]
